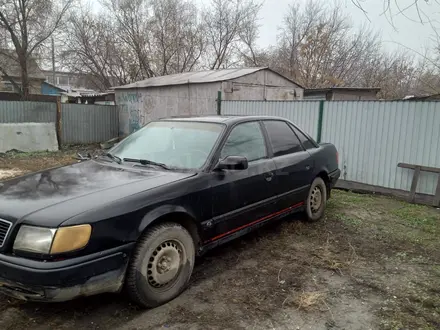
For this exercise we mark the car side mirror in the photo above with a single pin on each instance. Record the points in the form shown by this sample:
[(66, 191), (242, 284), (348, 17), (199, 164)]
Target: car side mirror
[(232, 163)]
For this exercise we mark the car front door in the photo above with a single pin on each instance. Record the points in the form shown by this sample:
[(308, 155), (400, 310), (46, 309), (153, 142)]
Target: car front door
[(242, 198), (294, 165)]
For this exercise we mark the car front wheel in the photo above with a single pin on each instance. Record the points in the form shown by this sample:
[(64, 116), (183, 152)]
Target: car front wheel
[(161, 265), (316, 200)]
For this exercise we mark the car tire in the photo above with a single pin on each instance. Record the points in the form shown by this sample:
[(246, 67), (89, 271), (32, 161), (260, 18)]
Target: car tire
[(161, 265), (316, 200)]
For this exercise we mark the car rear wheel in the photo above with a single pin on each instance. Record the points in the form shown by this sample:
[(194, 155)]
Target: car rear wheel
[(161, 266), (316, 200)]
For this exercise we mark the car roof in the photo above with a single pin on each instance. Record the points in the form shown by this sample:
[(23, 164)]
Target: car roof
[(228, 120)]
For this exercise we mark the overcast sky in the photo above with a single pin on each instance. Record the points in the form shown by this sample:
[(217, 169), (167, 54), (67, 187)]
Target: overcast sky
[(413, 35)]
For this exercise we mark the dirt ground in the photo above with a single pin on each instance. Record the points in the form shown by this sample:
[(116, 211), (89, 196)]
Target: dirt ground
[(372, 263), (16, 163)]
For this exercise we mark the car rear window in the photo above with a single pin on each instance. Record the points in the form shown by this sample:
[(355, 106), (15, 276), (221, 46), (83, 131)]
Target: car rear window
[(304, 139), (282, 138)]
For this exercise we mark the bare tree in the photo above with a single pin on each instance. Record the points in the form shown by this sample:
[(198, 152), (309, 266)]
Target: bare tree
[(3, 38), (428, 83), (297, 25), (226, 22), (395, 73), (91, 48), (248, 46), (132, 19), (134, 40), (165, 36), (410, 77), (318, 47), (415, 10), (178, 41), (29, 24)]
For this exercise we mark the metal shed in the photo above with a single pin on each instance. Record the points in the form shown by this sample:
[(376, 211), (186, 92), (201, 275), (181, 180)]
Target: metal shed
[(197, 93)]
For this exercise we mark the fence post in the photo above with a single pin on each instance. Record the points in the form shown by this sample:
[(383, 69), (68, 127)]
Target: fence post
[(320, 119), (219, 103), (58, 123)]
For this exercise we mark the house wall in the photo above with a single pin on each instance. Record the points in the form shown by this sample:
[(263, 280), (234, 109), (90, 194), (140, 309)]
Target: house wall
[(6, 86), (70, 80), (336, 95), (34, 86), (316, 97), (66, 80), (354, 96), (137, 107), (261, 85)]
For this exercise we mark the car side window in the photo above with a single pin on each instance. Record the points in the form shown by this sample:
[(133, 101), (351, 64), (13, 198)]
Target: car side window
[(282, 138), (304, 139), (245, 140)]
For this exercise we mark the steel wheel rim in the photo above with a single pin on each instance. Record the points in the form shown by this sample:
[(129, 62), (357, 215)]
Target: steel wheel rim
[(165, 264), (315, 199)]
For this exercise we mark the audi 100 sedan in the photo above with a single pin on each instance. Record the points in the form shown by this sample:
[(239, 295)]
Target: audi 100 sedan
[(136, 218)]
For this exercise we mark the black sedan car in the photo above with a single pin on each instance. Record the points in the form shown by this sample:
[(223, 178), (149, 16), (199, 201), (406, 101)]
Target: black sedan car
[(137, 217)]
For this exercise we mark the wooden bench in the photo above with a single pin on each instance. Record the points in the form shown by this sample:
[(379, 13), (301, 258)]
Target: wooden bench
[(417, 169)]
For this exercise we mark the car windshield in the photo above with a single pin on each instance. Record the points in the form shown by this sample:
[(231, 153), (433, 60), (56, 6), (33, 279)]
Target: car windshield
[(176, 144)]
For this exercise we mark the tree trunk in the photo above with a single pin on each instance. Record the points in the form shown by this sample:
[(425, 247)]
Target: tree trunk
[(25, 85)]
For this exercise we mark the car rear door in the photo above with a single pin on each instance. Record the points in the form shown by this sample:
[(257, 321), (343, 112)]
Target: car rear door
[(242, 198), (294, 166)]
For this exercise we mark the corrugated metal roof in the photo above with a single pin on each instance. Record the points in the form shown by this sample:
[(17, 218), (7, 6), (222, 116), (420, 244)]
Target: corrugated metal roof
[(193, 78)]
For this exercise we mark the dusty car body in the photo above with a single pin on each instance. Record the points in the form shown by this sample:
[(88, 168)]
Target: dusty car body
[(136, 218)]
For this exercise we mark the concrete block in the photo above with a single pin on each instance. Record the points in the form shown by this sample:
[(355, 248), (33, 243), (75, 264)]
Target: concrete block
[(28, 137)]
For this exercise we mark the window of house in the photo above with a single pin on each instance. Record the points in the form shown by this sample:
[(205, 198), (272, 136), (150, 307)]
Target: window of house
[(6, 86), (245, 140), (304, 139), (63, 80), (282, 138)]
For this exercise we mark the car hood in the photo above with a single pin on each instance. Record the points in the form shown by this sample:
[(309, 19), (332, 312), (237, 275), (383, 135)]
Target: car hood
[(52, 196)]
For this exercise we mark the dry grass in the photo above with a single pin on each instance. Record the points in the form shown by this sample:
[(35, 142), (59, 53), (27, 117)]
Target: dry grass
[(4, 174), (306, 300), (328, 259), (18, 163), (13, 164)]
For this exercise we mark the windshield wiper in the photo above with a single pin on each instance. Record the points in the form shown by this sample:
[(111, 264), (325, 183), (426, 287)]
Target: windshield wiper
[(147, 162), (113, 157)]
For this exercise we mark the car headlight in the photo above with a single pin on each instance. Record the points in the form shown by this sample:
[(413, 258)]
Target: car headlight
[(52, 240)]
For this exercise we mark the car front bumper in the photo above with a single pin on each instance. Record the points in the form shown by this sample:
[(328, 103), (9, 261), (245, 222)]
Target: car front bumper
[(64, 280)]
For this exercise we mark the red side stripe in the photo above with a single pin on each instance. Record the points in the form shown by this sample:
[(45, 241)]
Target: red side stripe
[(255, 222)]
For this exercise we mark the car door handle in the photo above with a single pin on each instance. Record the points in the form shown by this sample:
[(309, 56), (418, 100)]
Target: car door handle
[(269, 176), (307, 167)]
